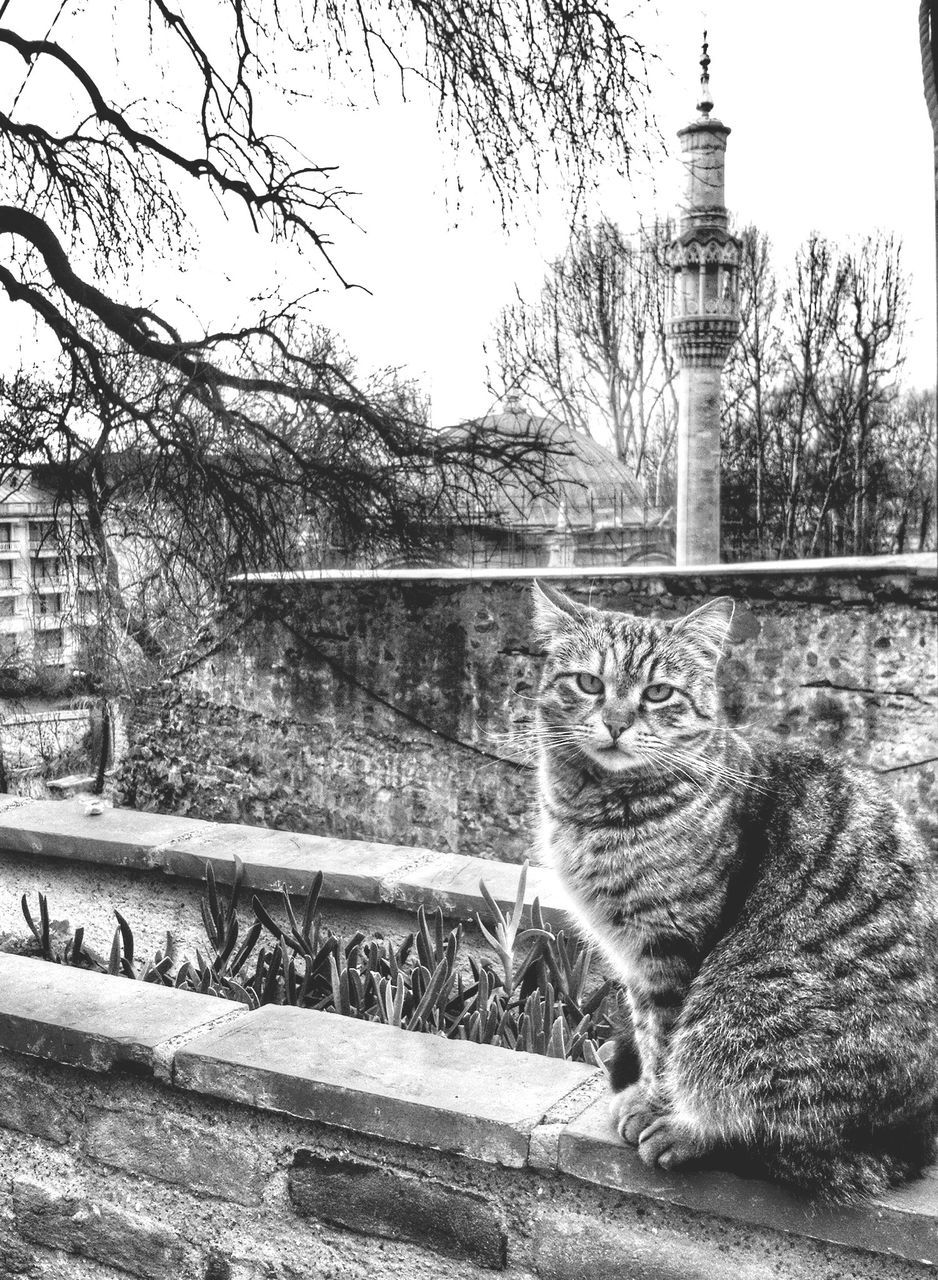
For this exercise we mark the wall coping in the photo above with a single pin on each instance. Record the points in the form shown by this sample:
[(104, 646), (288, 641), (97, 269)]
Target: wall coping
[(62, 715), (358, 871), (486, 1103), (918, 564)]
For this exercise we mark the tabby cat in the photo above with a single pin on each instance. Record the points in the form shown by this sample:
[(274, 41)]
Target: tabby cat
[(769, 909)]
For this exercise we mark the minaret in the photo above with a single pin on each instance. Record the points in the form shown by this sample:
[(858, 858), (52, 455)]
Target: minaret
[(703, 321)]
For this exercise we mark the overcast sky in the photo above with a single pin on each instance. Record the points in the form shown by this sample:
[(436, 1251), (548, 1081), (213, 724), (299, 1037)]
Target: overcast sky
[(829, 132)]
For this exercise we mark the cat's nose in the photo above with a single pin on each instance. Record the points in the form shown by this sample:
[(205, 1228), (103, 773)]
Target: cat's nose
[(617, 722)]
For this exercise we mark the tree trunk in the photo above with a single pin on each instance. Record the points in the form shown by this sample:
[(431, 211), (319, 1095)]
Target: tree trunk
[(104, 752)]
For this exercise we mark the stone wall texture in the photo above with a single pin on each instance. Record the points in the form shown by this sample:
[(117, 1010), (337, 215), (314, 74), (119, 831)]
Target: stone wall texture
[(400, 709), (119, 1176), (171, 1136)]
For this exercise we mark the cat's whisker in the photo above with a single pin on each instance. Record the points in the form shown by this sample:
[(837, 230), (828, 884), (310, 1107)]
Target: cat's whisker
[(716, 769)]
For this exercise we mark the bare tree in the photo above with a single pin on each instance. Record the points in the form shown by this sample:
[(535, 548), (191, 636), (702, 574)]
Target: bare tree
[(179, 457), (869, 353), (907, 445), (749, 381), (846, 312), (818, 447), (110, 188), (812, 306), (591, 350), (227, 442)]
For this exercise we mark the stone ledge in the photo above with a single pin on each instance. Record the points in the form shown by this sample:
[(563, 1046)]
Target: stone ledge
[(95, 1021), (904, 1222), (470, 1099), (922, 563), (465, 1098), (72, 784), (353, 870), (506, 1108)]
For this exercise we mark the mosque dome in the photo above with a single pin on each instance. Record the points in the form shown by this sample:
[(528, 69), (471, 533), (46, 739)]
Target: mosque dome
[(589, 485)]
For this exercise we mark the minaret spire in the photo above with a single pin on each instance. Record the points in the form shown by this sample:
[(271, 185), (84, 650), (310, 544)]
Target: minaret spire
[(705, 105), (703, 321)]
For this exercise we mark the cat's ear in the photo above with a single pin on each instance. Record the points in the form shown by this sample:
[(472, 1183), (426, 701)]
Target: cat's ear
[(554, 613), (708, 626)]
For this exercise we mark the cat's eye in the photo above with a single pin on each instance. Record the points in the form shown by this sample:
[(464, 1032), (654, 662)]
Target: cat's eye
[(658, 692), (589, 683)]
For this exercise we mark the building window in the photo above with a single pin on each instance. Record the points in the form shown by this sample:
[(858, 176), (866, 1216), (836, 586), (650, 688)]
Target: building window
[(43, 535), (88, 566), (7, 606), (46, 570), (49, 644), (86, 602), (6, 573), (50, 603), (6, 536)]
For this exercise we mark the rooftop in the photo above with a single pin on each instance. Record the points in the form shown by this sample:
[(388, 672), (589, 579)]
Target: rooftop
[(591, 484)]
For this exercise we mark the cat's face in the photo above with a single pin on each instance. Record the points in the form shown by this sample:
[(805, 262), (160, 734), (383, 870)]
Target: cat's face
[(628, 693)]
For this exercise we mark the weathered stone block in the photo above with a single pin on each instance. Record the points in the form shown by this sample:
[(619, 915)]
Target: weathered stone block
[(378, 1201), (449, 1094), (452, 883), (544, 1151), (273, 860), (130, 1242), (94, 1020), (353, 870), (62, 828), (15, 1258), (36, 1108), (903, 1222), (566, 1249), (173, 1150)]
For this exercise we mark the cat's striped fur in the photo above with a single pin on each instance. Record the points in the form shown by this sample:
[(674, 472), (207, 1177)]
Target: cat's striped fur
[(770, 910)]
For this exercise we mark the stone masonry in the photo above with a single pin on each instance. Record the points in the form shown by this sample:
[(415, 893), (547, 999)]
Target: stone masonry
[(399, 709), (285, 1144)]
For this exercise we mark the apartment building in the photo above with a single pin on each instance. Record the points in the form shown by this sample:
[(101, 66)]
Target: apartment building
[(46, 588)]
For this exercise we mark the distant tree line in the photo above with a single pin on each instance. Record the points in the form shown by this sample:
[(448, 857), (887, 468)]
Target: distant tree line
[(824, 451)]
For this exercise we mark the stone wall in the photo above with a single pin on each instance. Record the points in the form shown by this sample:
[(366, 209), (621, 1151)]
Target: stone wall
[(155, 1133), (397, 708), (152, 868)]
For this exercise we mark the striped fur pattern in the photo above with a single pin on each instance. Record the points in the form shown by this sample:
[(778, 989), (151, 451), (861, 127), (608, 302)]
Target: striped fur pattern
[(770, 910)]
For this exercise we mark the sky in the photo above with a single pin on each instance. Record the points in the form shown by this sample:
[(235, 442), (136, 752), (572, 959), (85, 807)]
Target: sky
[(829, 133)]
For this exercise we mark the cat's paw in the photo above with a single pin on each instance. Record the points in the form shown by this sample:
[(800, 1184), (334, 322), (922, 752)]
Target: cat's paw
[(667, 1143), (633, 1111)]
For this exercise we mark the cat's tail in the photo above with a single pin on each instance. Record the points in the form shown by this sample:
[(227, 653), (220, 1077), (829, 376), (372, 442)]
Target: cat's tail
[(842, 1177), (850, 1174)]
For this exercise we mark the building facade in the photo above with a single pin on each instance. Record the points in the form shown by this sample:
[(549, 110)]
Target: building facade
[(47, 596)]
